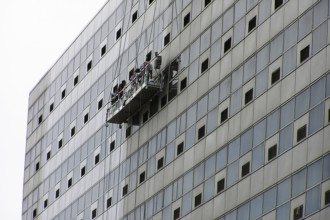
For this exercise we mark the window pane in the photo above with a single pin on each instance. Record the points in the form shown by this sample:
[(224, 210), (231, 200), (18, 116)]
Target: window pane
[(193, 72), (273, 123), (184, 59), (287, 113), (171, 131), (233, 150), (231, 216), (261, 82), (283, 191), (246, 142), (221, 159), (298, 183), (239, 31), (240, 8), (301, 103), (167, 213), (168, 195), (314, 173), (169, 153), (236, 102), (190, 137), (250, 68), (259, 132), (326, 167), (258, 156), (194, 50), (216, 30), (269, 199), (243, 212), (208, 189), (317, 92), (289, 60), (283, 212), (316, 118), (290, 36), (256, 207), (225, 88), (199, 174), (191, 115), (286, 136), (264, 10), (232, 173), (212, 120), (205, 40), (187, 182), (202, 107), (210, 167), (328, 84), (228, 19), (213, 98), (215, 52), (305, 24), (320, 12), (186, 203), (319, 37), (276, 47), (237, 78), (313, 199)]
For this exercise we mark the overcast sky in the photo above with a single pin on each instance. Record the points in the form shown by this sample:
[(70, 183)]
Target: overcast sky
[(33, 35)]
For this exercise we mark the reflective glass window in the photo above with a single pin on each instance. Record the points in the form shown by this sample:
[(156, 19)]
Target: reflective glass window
[(283, 191), (286, 137), (258, 156), (298, 183)]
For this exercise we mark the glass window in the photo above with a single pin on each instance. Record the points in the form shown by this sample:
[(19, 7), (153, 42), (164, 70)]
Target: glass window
[(283, 191), (256, 207), (215, 52), (184, 59), (198, 174), (313, 200), (264, 10), (302, 101), (202, 107), (316, 118), (286, 137), (191, 115), (205, 40), (328, 84), (228, 19), (231, 216), (190, 137), (169, 153), (208, 189), (151, 166), (193, 72), (222, 159), (283, 212), (287, 113), (188, 182), (261, 82), (209, 167), (258, 156), (262, 58), (235, 102), (167, 213), (273, 123), (314, 173), (317, 92), (225, 88), (276, 47), (298, 183), (237, 78), (149, 208), (305, 24), (232, 173), (289, 60), (186, 203), (319, 37), (320, 12), (269, 200), (171, 131), (246, 142), (290, 36), (216, 30), (249, 68), (326, 167), (233, 150), (213, 98), (212, 120), (196, 8), (243, 212), (259, 132), (239, 30), (194, 50), (168, 195), (240, 8)]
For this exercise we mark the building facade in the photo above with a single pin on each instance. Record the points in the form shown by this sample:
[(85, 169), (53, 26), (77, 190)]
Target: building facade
[(232, 124)]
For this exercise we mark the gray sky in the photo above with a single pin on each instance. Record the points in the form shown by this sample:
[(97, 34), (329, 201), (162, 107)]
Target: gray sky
[(33, 35)]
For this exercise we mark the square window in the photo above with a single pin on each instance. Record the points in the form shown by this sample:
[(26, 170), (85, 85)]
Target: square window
[(277, 3), (176, 214), (198, 199), (100, 104), (160, 163), (37, 166), (298, 212), (57, 193), (201, 132), (94, 213), (252, 23), (109, 201), (118, 34), (69, 182), (34, 214), (148, 56), (150, 1), (40, 119), (45, 203), (142, 177), (227, 45), (163, 101), (63, 94), (167, 39), (128, 131), (224, 115), (272, 152), (276, 76), (86, 118), (248, 96), (205, 65), (103, 50), (48, 155), (179, 149), (60, 143), (186, 19), (89, 65), (304, 54), (75, 80), (112, 146), (97, 159), (73, 131), (327, 197), (134, 16), (125, 190), (83, 171), (51, 107), (301, 133), (207, 2), (246, 169), (145, 117), (220, 185), (183, 84)]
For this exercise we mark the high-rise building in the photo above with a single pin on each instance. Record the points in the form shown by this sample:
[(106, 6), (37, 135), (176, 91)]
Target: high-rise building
[(224, 115)]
